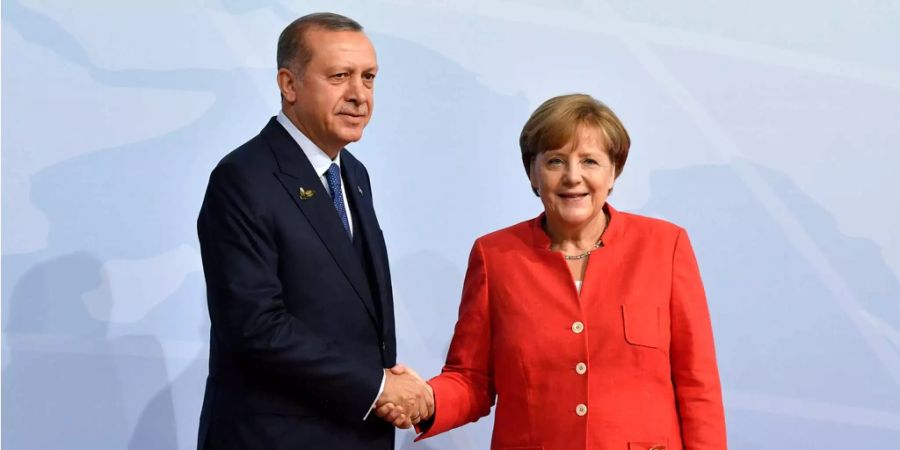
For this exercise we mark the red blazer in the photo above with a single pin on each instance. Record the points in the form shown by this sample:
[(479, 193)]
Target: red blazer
[(627, 365)]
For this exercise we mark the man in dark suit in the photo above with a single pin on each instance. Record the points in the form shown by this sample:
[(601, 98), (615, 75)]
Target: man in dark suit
[(298, 284)]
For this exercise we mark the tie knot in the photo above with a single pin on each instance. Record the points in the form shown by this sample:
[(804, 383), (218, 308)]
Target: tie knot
[(334, 172)]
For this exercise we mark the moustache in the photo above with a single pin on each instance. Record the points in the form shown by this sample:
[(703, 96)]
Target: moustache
[(354, 111)]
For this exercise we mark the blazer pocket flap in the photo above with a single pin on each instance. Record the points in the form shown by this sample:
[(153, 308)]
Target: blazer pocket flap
[(647, 445), (641, 323)]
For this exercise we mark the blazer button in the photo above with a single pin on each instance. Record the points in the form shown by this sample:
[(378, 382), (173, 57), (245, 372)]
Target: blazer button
[(580, 368), (383, 346), (658, 447), (577, 327), (581, 409)]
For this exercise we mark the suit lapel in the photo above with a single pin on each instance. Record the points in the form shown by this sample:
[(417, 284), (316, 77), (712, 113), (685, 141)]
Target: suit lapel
[(366, 222), (297, 173)]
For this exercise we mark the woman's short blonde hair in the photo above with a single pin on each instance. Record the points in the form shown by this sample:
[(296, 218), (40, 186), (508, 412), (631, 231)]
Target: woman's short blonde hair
[(555, 123)]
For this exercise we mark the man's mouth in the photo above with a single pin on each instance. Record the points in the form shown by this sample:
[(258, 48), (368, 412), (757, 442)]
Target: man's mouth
[(353, 118), (355, 114)]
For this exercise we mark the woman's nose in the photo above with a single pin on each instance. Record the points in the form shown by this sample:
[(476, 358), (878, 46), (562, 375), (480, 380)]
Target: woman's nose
[(572, 174)]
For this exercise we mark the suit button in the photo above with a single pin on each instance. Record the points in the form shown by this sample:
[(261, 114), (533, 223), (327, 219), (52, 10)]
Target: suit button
[(577, 327), (581, 409), (580, 368), (383, 346)]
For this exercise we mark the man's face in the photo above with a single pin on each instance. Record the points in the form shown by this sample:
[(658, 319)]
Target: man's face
[(332, 99)]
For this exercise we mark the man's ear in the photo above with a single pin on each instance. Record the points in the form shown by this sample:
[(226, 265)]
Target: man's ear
[(287, 84)]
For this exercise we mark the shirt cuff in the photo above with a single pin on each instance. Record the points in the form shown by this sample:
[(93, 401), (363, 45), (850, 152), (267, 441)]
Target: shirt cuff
[(380, 390)]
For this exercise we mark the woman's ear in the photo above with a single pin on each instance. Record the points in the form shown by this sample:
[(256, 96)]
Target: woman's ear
[(534, 178)]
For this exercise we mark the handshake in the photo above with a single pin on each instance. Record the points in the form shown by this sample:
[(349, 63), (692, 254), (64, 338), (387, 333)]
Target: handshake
[(406, 400)]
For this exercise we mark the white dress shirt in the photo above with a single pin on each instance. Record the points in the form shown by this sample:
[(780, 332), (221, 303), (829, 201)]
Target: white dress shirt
[(321, 162)]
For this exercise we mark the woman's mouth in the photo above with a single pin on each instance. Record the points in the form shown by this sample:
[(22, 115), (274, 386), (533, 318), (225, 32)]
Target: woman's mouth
[(572, 197)]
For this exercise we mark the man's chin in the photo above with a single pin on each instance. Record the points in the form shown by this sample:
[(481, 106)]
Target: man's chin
[(351, 135)]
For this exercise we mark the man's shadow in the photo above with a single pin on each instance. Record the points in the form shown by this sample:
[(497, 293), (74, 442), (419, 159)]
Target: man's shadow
[(157, 427), (63, 371)]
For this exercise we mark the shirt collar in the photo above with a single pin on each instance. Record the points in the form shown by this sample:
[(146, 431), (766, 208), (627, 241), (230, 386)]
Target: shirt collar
[(319, 159)]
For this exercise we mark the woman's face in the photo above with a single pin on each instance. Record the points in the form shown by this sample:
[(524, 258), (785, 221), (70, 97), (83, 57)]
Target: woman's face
[(574, 181)]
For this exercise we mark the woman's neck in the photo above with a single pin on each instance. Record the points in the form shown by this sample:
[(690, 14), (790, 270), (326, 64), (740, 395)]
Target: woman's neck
[(569, 238)]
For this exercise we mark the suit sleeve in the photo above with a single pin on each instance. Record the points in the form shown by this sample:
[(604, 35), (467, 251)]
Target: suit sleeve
[(464, 391), (693, 356), (247, 310)]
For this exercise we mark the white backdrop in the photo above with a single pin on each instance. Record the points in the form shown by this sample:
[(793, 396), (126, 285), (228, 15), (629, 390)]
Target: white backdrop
[(768, 129)]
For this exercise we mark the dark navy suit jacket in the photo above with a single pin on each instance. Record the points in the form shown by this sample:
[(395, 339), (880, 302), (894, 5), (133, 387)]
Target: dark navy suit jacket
[(302, 316)]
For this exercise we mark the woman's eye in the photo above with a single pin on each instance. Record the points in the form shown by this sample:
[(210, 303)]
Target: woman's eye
[(554, 162)]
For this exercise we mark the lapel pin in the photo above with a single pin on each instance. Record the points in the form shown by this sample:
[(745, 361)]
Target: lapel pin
[(359, 189), (306, 194)]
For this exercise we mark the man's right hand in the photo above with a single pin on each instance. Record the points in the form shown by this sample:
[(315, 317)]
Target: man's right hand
[(406, 396)]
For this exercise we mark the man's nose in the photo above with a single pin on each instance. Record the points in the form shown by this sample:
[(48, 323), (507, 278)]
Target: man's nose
[(357, 91)]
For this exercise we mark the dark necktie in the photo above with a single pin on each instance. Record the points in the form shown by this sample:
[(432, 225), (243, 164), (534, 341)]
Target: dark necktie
[(337, 195)]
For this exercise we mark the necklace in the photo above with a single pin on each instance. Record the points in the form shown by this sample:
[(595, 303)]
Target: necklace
[(585, 254), (594, 247)]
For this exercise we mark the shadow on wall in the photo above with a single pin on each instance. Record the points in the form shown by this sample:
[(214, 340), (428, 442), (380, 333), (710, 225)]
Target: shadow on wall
[(177, 396), (65, 374), (153, 427)]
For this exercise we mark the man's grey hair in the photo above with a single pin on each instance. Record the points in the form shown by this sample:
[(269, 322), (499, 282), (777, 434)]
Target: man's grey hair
[(293, 53)]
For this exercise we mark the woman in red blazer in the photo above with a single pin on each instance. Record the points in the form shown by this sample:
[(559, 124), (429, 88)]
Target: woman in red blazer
[(587, 326)]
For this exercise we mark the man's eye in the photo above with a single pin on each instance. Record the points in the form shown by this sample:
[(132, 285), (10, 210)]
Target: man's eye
[(340, 75), (369, 76)]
